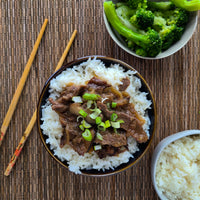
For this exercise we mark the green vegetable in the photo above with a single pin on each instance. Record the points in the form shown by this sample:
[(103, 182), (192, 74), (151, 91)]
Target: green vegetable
[(85, 124), (87, 135), (113, 117), (142, 19), (97, 147), (83, 113), (161, 6), (136, 3), (98, 120), (81, 127), (192, 5), (88, 96), (107, 124), (102, 126), (89, 104), (114, 105), (99, 136), (115, 124), (77, 99), (95, 114), (150, 41)]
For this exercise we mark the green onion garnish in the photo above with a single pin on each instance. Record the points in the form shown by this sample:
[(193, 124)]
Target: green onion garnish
[(83, 113), (95, 114), (95, 106), (97, 147), (88, 96), (77, 99), (121, 121), (85, 124), (89, 104), (108, 106), (107, 124), (115, 124), (114, 105), (79, 117), (102, 126), (98, 120), (87, 135), (81, 127), (99, 136), (113, 117)]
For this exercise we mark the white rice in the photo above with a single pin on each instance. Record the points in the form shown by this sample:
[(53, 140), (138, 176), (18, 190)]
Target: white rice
[(79, 75)]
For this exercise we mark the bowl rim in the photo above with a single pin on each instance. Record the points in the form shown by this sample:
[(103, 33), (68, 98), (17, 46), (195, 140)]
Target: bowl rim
[(70, 64), (112, 34), (158, 150)]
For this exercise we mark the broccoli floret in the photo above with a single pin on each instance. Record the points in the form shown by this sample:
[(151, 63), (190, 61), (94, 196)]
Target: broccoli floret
[(179, 16), (136, 3), (150, 41), (160, 6), (159, 22), (192, 5), (124, 13), (140, 51), (143, 18), (169, 35)]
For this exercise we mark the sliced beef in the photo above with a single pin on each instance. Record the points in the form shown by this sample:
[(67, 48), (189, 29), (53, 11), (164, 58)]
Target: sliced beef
[(57, 106), (113, 139), (125, 84), (103, 107), (109, 151), (80, 145), (97, 85), (71, 91), (137, 132)]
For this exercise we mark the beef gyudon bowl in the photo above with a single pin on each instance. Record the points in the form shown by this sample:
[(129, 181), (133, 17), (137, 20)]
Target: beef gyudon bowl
[(96, 116)]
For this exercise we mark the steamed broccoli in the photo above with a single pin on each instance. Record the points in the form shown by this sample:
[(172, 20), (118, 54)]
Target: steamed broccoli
[(160, 6), (150, 42), (178, 16), (192, 5), (143, 18), (136, 3)]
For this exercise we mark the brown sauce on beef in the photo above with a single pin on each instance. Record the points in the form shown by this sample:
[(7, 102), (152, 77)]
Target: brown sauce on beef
[(112, 142)]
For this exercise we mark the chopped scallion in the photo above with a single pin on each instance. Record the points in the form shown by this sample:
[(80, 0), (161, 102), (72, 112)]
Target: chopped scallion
[(83, 113), (89, 104), (102, 126), (85, 124), (107, 124), (114, 105), (121, 121), (95, 114), (115, 124), (113, 117), (77, 99), (79, 117), (99, 136), (88, 96), (98, 120), (87, 135), (81, 127), (97, 147)]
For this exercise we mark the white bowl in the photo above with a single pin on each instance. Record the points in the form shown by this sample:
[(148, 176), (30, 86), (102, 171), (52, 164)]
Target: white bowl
[(189, 30), (158, 150)]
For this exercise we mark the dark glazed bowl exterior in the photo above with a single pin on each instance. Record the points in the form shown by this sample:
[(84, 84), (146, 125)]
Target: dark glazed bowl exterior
[(151, 112)]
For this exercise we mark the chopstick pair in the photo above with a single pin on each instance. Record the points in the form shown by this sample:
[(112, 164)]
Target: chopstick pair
[(18, 92)]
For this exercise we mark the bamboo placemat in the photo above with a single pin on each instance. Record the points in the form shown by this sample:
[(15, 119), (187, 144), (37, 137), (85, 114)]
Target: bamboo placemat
[(173, 80)]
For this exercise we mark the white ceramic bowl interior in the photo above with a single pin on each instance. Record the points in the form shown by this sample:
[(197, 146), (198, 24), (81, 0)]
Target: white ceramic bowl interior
[(189, 30), (164, 143)]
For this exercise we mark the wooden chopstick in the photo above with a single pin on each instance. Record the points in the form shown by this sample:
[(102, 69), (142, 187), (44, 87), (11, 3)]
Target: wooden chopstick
[(33, 119), (21, 84)]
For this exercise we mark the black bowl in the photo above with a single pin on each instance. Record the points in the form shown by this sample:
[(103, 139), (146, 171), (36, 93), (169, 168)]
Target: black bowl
[(151, 112)]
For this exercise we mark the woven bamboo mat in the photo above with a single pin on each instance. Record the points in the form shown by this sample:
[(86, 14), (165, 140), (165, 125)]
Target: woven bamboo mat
[(173, 80)]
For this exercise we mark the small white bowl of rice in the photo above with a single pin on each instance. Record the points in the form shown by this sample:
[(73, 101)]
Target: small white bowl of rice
[(175, 166), (91, 162)]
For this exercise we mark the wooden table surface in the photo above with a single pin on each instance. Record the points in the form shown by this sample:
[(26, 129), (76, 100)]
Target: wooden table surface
[(173, 80)]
